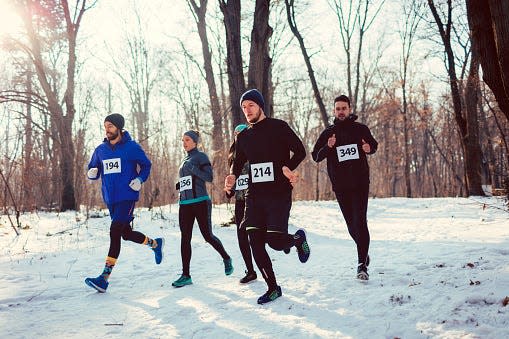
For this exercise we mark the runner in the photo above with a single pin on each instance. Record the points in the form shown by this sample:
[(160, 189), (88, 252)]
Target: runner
[(266, 145), (345, 145), (195, 203), (116, 161)]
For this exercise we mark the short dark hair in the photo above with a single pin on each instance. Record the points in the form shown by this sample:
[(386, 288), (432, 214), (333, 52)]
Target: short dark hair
[(343, 98)]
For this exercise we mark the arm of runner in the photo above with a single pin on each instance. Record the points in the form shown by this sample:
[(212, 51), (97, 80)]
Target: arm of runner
[(143, 161), (229, 182), (321, 148), (93, 167), (203, 170), (370, 140), (292, 176), (296, 146)]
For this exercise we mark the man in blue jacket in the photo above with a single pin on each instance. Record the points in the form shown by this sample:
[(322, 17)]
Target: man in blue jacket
[(116, 161)]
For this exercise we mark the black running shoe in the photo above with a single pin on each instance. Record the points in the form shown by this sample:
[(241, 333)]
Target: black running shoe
[(362, 272), (302, 245), (250, 276), (270, 296)]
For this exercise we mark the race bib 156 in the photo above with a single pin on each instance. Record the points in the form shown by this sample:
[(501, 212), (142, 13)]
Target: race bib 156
[(347, 152), (186, 183), (262, 172), (242, 182), (112, 166)]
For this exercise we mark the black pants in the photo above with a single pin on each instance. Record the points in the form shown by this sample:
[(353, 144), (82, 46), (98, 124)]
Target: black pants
[(122, 214), (278, 241), (242, 237), (266, 221), (354, 205), (200, 211)]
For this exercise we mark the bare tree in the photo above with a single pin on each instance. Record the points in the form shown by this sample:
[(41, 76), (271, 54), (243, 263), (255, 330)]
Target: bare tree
[(412, 13), (236, 83), (290, 12), (469, 142), (260, 62), (56, 18), (354, 21), (490, 32)]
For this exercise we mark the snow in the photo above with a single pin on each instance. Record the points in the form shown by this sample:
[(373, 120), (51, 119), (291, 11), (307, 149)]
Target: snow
[(439, 268)]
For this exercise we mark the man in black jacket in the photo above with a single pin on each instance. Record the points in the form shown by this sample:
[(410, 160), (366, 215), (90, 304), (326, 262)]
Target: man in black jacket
[(266, 145), (345, 145)]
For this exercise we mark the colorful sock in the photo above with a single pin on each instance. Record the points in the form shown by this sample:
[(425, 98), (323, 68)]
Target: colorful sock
[(150, 242), (108, 267)]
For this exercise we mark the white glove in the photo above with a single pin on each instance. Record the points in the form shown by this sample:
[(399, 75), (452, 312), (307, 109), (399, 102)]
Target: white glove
[(92, 173), (135, 184)]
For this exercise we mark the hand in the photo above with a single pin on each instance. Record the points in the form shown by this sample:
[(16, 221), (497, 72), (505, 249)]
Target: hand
[(135, 184), (229, 182), (331, 141), (293, 177), (365, 147), (92, 173)]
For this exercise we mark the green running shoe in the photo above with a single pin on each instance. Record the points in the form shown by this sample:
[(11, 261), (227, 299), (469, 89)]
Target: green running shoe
[(182, 281), (228, 266), (270, 296)]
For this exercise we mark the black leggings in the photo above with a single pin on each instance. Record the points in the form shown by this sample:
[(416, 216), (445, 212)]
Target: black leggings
[(354, 205), (278, 241), (242, 237), (122, 229), (200, 211)]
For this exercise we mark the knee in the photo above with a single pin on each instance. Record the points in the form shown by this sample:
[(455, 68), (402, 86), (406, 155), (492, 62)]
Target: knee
[(115, 230), (208, 238)]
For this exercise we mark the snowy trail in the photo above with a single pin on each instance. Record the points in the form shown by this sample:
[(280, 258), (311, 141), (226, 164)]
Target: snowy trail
[(440, 268)]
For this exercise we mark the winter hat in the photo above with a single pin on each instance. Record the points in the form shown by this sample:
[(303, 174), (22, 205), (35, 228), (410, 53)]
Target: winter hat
[(240, 128), (116, 119), (253, 95), (195, 135)]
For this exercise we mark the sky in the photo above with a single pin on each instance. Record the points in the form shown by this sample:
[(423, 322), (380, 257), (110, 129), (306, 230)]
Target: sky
[(439, 269)]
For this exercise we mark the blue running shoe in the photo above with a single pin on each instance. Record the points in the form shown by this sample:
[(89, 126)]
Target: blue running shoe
[(158, 251), (99, 283), (228, 266), (270, 296), (302, 245), (182, 281)]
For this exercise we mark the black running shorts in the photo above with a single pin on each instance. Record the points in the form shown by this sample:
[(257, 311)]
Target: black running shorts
[(268, 212)]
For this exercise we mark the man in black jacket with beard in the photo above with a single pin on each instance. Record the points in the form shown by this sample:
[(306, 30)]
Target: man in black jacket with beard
[(267, 145), (345, 145)]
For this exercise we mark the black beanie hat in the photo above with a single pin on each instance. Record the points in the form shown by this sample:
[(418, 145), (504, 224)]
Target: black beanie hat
[(116, 119), (253, 95)]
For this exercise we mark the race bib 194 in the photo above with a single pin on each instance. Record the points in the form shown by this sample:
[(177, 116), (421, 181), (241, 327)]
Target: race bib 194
[(112, 166), (347, 152), (242, 182), (262, 172), (186, 183)]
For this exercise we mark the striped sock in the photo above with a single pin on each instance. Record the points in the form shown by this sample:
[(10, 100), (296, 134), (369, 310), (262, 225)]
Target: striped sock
[(108, 267), (150, 242)]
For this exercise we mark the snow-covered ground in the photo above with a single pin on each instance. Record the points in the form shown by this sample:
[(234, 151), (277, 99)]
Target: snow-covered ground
[(439, 268)]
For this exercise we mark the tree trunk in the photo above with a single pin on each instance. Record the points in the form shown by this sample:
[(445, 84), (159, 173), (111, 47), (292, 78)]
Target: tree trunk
[(259, 60), (218, 159), (490, 30), (236, 84)]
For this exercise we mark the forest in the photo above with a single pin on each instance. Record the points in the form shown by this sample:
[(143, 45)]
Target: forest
[(429, 78)]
